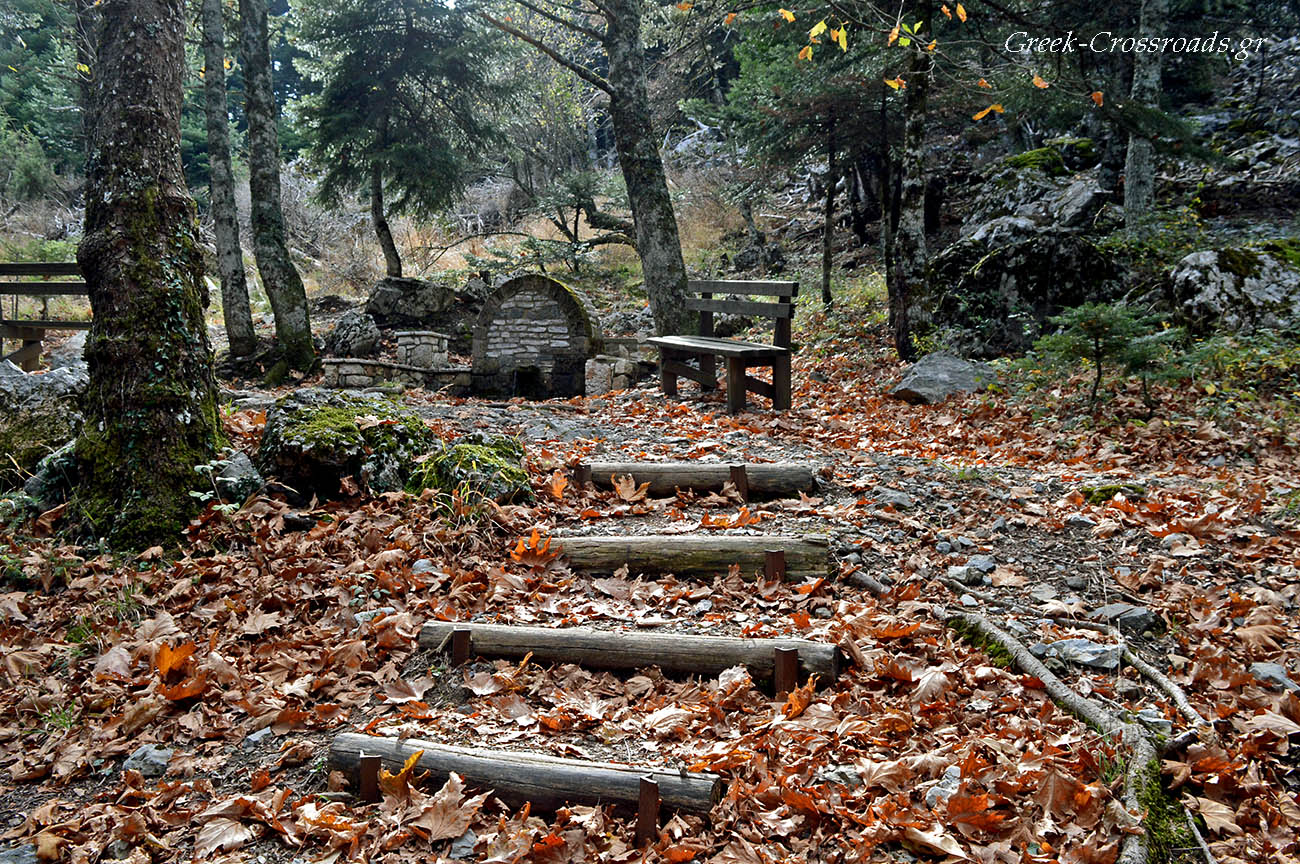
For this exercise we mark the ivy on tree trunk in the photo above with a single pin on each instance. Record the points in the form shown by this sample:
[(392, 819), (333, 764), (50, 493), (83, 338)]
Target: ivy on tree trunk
[(230, 258), (280, 278), (151, 412)]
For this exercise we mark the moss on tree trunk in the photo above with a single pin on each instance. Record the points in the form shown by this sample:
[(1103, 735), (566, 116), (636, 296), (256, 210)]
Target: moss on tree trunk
[(151, 412)]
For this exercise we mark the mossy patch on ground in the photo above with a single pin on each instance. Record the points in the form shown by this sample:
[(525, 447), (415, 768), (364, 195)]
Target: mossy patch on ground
[(476, 467), (1045, 159)]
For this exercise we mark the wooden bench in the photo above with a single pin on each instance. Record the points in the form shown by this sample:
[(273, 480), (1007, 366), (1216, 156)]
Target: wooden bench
[(32, 332), (741, 356)]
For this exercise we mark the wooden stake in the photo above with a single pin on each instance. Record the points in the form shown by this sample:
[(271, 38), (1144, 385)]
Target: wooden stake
[(582, 475), (740, 479), (647, 812), (368, 777), (460, 646), (785, 675), (774, 565)]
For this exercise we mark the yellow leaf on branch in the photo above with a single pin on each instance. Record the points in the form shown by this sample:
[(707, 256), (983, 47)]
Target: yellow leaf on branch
[(961, 12), (786, 14), (1040, 83), (896, 82), (980, 115)]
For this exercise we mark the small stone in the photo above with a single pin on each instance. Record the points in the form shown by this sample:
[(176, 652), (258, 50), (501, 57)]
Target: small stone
[(253, 739), (1153, 719), (982, 563), (1273, 673), (968, 600), (1078, 520), (149, 759), (898, 499), (705, 605), (424, 565), (371, 614), (1075, 582), (462, 848), (965, 575), (1169, 541), (1085, 652), (947, 786), (23, 853), (1126, 616), (1039, 649), (845, 775), (1042, 593), (822, 612), (943, 547), (1000, 524), (853, 558)]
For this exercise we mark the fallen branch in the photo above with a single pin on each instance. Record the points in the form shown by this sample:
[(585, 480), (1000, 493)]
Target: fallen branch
[(1200, 841), (1166, 686), (1142, 753)]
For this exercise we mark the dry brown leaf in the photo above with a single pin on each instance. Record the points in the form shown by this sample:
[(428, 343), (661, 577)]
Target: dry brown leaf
[(449, 813)]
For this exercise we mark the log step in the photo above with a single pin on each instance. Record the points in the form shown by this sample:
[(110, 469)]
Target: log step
[(805, 556), (549, 782), (764, 480), (680, 653)]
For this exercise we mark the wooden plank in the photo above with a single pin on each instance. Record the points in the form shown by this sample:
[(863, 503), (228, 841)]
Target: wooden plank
[(766, 480), (743, 286), (741, 307), (23, 323), (549, 782), (39, 268), (696, 555), (25, 357), (735, 385), (676, 367), (42, 289), (759, 386), (720, 347), (679, 653)]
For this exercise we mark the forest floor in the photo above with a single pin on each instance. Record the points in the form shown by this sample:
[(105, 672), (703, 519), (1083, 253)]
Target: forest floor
[(244, 651)]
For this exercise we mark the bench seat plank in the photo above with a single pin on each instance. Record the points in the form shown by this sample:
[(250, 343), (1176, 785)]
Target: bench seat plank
[(742, 307), (720, 347), (42, 289), (8, 324), (737, 286)]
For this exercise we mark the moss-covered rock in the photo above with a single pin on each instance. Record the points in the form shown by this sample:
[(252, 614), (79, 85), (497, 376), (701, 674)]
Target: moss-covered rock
[(987, 300), (1239, 288), (314, 438), (1048, 160), (475, 466), (39, 413)]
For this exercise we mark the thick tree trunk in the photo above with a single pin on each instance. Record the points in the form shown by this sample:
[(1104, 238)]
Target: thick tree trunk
[(392, 260), (151, 411), (828, 215), (657, 242), (908, 257), (280, 278), (230, 259), (1139, 167)]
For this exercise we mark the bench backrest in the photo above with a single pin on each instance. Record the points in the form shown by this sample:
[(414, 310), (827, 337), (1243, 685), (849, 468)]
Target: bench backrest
[(780, 308), (11, 286)]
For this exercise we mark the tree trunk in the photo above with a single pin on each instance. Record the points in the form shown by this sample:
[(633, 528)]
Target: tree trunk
[(908, 257), (657, 242), (230, 258), (828, 216), (1139, 167), (151, 412), (392, 260), (280, 278)]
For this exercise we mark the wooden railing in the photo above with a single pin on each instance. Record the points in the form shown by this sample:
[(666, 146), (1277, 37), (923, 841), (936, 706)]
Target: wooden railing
[(31, 332)]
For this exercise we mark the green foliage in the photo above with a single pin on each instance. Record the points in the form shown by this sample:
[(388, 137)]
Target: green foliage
[(40, 118), (1147, 256), (1112, 334), (476, 468), (402, 90), (1045, 159), (26, 173)]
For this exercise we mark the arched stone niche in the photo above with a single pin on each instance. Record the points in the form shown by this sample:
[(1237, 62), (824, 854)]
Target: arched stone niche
[(532, 339)]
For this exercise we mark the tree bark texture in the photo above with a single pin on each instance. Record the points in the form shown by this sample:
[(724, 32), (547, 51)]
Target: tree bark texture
[(657, 241), (909, 259), (680, 653), (766, 480), (392, 260), (828, 215), (549, 782), (1139, 166), (235, 310), (280, 278), (696, 555), (150, 407)]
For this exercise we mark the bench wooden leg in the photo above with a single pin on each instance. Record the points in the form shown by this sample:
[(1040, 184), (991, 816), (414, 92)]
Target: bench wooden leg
[(667, 380), (709, 368), (735, 385), (781, 383)]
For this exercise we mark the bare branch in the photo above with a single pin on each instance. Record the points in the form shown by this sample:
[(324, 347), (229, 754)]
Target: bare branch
[(562, 21), (576, 68)]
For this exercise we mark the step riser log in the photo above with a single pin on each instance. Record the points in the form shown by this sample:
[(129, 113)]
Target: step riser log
[(548, 782), (765, 480), (698, 555), (679, 653)]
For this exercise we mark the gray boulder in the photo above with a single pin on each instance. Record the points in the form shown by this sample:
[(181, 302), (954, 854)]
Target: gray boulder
[(397, 301), (1085, 652), (237, 478), (20, 853), (149, 759), (39, 413), (1274, 673), (69, 354), (1126, 616), (355, 335), (1241, 289), (935, 377)]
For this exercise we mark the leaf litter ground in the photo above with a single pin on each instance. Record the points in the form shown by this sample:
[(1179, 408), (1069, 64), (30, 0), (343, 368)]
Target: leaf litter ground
[(247, 650)]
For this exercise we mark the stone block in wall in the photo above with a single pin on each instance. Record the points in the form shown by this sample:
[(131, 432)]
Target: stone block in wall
[(599, 375)]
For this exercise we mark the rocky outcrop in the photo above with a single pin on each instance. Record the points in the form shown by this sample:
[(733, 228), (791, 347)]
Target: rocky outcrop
[(935, 377), (1242, 288), (39, 413), (355, 335), (987, 299), (417, 304), (1035, 191)]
